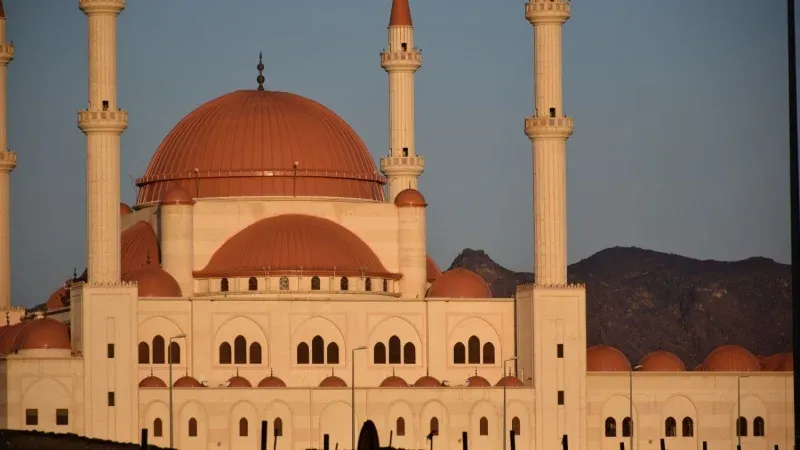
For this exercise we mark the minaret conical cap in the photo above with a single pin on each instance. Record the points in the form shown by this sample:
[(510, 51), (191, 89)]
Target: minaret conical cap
[(3, 12), (401, 14)]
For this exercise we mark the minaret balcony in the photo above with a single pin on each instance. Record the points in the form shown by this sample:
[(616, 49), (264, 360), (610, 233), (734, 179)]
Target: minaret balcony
[(397, 164), (6, 53), (547, 11), (401, 60), (548, 127), (8, 161), (90, 121), (101, 6)]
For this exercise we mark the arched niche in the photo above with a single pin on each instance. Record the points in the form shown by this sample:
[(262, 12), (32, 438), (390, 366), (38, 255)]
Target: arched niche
[(395, 326), (252, 333), (320, 326), (618, 407), (750, 406), (525, 439), (334, 420), (433, 408), (188, 411), (279, 409), (400, 408), (480, 328), (166, 328), (480, 410), (46, 395), (251, 426), (679, 407), (150, 412)]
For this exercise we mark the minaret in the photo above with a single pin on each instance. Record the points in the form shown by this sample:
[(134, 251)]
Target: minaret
[(549, 129), (103, 123), (401, 60), (8, 161)]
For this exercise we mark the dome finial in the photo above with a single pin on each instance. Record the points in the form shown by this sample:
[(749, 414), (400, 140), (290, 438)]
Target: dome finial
[(260, 77)]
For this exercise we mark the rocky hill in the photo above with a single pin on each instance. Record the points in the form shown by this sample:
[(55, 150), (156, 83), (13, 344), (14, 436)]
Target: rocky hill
[(641, 300)]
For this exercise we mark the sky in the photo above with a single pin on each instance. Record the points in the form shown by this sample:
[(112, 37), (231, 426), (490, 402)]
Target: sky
[(680, 109)]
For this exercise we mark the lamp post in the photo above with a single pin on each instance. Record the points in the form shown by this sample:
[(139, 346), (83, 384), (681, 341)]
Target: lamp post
[(630, 394), (739, 409), (353, 392), (504, 400), (169, 360)]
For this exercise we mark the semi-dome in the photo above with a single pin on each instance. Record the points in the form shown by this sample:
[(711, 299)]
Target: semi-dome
[(394, 381), (252, 143), (603, 358), (427, 381), (510, 381), (8, 336), (410, 197), (291, 243), (478, 381), (124, 209), (332, 382), (138, 247), (152, 381), (433, 269), (238, 382), (776, 362), (177, 196), (187, 381), (44, 333), (459, 283), (271, 382), (731, 358), (662, 361), (154, 281)]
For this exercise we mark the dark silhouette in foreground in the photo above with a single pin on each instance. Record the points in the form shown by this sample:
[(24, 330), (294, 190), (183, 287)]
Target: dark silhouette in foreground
[(37, 440)]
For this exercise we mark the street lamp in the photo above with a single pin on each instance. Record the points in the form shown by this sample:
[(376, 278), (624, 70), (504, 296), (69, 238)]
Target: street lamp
[(739, 409), (353, 391), (169, 360), (630, 397), (504, 399)]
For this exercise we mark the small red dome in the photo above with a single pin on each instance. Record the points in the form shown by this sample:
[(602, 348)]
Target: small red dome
[(510, 381), (662, 361), (177, 196), (602, 358), (394, 381), (478, 381), (787, 365), (154, 281), (427, 381), (44, 333), (731, 358), (433, 270), (333, 382), (187, 382), (271, 382), (8, 336), (124, 209), (152, 382), (459, 283), (238, 382), (776, 362), (410, 197)]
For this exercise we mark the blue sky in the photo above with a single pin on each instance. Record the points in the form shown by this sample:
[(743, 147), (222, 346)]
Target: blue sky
[(680, 112)]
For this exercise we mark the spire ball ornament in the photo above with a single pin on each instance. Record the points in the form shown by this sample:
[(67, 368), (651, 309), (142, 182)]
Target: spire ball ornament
[(260, 77)]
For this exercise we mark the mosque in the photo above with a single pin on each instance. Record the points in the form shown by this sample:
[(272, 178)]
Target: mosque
[(269, 271)]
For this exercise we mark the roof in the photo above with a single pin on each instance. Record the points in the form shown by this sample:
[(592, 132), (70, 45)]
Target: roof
[(401, 14), (410, 197), (662, 361), (459, 283), (603, 358), (293, 243), (252, 143), (153, 281), (731, 358), (139, 247)]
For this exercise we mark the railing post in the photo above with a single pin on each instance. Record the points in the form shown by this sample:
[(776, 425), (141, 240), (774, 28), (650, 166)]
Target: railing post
[(512, 440), (663, 444), (264, 435), (144, 438), (326, 442), (464, 441)]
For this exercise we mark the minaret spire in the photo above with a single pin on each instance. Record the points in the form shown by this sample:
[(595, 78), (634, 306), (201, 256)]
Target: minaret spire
[(260, 77), (401, 60), (8, 161)]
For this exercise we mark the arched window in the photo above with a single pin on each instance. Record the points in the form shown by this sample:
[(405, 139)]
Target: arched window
[(434, 426), (252, 284), (687, 427), (385, 285), (401, 426), (409, 353), (394, 350), (158, 350), (314, 283), (175, 352), (344, 284), (484, 426), (333, 353), (240, 350), (144, 353), (284, 283), (368, 286), (474, 346), (192, 427), (158, 428), (255, 353), (670, 427), (459, 354), (488, 353), (515, 426), (317, 350), (627, 427), (611, 427), (224, 353), (243, 427), (278, 427), (223, 287), (302, 353), (741, 426), (758, 426), (379, 353)]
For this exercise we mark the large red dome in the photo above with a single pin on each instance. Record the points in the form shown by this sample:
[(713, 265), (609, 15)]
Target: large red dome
[(246, 144)]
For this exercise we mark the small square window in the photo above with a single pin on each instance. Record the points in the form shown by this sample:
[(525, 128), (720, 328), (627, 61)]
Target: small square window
[(31, 417), (111, 351), (560, 350), (560, 397), (62, 417), (111, 399)]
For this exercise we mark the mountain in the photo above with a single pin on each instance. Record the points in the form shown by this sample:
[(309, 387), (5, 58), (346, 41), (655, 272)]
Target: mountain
[(641, 300)]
